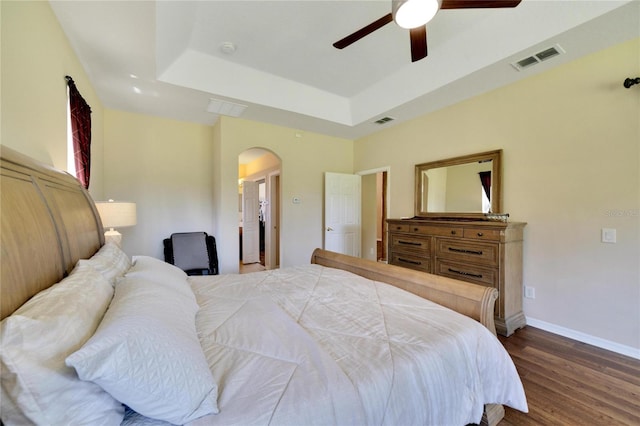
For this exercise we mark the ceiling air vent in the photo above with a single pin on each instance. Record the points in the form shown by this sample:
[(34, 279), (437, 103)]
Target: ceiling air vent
[(538, 57), (231, 109), (384, 120)]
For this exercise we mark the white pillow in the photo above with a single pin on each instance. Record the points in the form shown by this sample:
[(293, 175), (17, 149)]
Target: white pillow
[(152, 269), (146, 354), (37, 386), (110, 261)]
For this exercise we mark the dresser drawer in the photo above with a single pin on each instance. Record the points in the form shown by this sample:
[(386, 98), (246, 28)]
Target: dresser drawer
[(465, 272), (466, 251), (440, 231), (410, 243), (410, 261), (482, 234), (404, 227)]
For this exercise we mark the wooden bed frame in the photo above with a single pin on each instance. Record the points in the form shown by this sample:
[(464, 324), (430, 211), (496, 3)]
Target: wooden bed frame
[(49, 221)]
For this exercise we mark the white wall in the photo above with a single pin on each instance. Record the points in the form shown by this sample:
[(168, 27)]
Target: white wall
[(571, 167), (165, 167)]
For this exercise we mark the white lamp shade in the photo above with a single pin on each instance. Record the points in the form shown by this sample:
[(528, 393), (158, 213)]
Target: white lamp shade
[(115, 214), (414, 13)]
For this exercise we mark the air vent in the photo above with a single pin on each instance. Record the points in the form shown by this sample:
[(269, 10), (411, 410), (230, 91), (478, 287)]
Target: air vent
[(384, 120), (231, 109), (538, 57)]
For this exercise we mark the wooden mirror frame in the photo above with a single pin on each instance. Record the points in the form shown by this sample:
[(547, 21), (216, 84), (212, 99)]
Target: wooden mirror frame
[(496, 184)]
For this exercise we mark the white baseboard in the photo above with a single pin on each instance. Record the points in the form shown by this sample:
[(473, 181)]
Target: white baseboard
[(585, 338)]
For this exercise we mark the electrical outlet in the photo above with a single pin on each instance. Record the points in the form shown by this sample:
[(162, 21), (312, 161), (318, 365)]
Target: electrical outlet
[(608, 235), (529, 292)]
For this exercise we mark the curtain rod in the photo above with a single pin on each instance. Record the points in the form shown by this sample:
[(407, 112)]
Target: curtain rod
[(630, 82)]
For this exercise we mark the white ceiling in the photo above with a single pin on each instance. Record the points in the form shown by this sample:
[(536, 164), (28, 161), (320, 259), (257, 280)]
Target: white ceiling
[(164, 58)]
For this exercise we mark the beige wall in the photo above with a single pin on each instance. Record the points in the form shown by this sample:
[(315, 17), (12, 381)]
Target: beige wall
[(304, 161), (165, 167), (34, 90), (571, 141)]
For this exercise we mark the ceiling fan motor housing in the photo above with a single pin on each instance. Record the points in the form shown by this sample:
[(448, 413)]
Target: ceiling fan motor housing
[(410, 14)]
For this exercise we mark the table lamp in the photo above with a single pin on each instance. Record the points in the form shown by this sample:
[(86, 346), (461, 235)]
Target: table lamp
[(116, 214)]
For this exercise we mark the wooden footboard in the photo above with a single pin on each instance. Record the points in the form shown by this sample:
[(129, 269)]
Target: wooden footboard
[(469, 299)]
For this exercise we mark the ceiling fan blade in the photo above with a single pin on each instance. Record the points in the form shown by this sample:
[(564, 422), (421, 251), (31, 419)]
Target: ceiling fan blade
[(418, 43), (362, 32), (478, 4)]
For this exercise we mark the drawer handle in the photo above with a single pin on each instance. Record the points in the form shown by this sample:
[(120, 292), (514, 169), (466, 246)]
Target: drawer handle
[(465, 251), (409, 243), (453, 232), (480, 234), (466, 274), (416, 229), (413, 262), (398, 228)]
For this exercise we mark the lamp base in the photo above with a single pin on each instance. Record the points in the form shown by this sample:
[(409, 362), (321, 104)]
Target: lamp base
[(113, 236)]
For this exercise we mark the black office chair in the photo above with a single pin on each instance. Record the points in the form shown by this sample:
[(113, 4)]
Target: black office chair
[(193, 252)]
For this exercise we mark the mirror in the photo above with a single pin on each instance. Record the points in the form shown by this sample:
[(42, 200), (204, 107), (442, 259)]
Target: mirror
[(467, 186)]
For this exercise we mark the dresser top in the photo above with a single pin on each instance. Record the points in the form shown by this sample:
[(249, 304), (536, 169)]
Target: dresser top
[(449, 221)]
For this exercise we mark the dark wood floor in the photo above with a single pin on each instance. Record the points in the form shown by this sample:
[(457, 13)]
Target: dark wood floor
[(572, 383)]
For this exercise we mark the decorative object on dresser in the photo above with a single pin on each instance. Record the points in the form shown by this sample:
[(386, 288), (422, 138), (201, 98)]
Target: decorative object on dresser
[(482, 252)]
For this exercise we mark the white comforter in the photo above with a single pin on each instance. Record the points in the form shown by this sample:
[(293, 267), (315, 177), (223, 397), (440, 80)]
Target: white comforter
[(313, 345)]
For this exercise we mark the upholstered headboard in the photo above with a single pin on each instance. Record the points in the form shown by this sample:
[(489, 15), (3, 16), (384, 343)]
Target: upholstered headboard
[(49, 221)]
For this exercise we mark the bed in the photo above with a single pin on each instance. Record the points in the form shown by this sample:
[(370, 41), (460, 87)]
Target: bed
[(86, 330)]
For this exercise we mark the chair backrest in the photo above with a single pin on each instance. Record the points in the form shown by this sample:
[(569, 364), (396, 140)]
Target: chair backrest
[(193, 252)]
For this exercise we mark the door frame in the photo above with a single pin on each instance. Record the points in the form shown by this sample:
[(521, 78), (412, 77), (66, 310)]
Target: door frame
[(272, 223), (272, 175), (387, 199)]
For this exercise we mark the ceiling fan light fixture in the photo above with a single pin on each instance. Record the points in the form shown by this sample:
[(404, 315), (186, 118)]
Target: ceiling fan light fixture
[(414, 13)]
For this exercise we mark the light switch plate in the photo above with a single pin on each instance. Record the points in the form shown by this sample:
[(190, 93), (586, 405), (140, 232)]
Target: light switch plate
[(608, 235)]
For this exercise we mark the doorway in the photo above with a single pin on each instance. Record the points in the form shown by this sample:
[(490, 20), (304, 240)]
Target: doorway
[(259, 210), (374, 214)]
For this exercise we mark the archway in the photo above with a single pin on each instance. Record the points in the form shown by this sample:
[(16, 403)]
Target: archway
[(259, 172)]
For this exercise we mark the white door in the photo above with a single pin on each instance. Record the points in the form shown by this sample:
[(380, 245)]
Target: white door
[(342, 213), (250, 223)]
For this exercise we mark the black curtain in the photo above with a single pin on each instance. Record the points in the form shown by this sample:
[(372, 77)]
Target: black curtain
[(485, 180)]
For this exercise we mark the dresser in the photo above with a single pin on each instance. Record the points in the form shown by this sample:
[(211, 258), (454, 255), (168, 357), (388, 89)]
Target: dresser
[(488, 253)]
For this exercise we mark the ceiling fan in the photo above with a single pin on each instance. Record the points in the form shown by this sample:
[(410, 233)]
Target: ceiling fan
[(413, 15)]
